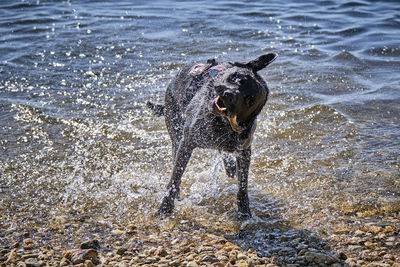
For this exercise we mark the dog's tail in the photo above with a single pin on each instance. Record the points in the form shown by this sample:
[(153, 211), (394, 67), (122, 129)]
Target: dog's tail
[(158, 109)]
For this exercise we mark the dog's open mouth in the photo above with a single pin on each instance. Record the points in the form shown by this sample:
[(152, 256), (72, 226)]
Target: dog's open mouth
[(222, 109), (220, 105)]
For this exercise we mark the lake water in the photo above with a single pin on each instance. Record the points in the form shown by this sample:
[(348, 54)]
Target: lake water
[(76, 139)]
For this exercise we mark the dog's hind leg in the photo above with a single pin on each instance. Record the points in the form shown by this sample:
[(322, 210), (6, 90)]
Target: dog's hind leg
[(243, 164), (182, 158), (229, 164)]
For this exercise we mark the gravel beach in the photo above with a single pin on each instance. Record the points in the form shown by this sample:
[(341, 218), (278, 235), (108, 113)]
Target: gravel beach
[(181, 243)]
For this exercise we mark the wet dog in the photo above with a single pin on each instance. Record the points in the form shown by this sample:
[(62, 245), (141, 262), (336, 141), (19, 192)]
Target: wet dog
[(214, 105)]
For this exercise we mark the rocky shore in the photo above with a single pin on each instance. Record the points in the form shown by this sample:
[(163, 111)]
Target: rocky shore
[(111, 245)]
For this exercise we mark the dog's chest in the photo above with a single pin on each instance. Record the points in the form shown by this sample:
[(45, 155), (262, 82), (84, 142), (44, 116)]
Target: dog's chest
[(214, 133)]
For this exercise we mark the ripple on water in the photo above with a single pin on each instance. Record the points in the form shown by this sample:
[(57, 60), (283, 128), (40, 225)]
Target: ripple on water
[(78, 146)]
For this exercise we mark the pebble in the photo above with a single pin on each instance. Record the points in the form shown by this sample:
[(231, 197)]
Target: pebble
[(241, 256), (320, 258), (131, 229), (174, 263), (118, 232), (121, 250), (359, 233), (192, 264), (161, 252), (209, 258), (32, 262), (95, 244), (81, 256)]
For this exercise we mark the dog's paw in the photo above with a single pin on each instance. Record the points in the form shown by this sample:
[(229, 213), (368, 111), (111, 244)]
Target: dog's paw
[(167, 206)]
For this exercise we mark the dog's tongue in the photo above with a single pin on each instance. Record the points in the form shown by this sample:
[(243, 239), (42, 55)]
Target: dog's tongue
[(234, 124)]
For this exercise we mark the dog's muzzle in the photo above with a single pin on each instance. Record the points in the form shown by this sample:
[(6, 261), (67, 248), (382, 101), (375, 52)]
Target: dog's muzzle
[(231, 118)]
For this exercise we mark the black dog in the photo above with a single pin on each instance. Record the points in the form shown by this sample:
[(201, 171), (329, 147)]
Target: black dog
[(214, 106)]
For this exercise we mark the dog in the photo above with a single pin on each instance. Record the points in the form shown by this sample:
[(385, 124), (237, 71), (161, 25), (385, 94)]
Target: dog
[(214, 105)]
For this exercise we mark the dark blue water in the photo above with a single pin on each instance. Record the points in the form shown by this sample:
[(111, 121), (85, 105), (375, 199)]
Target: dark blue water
[(76, 136)]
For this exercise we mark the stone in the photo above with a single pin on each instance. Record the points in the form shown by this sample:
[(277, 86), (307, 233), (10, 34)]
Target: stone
[(85, 254), (371, 245), (359, 233), (190, 257), (161, 252), (68, 254), (121, 250), (131, 229), (150, 260), (301, 246), (233, 256), (222, 258), (355, 240), (12, 257), (27, 256), (342, 256), (95, 244), (389, 257), (174, 263), (175, 241), (241, 256), (192, 264), (32, 262), (320, 258), (241, 263), (205, 249), (375, 229), (209, 258), (118, 232), (28, 243), (64, 262)]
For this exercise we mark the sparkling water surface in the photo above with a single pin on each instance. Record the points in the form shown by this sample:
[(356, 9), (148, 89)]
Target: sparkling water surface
[(78, 142)]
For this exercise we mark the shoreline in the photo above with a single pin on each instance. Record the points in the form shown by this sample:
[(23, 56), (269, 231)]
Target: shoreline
[(188, 245)]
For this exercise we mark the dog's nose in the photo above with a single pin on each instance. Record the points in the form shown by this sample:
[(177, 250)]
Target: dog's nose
[(229, 98)]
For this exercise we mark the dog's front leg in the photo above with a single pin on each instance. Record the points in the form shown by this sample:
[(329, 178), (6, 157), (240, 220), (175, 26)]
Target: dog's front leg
[(182, 157), (243, 165)]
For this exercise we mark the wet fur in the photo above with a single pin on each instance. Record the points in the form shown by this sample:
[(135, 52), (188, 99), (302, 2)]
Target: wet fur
[(214, 106)]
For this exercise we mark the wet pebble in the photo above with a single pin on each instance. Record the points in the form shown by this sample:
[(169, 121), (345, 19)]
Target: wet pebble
[(94, 244), (121, 250), (209, 259), (80, 256), (33, 262), (161, 252), (320, 258)]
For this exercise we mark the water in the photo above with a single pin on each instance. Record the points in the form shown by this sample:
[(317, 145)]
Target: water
[(78, 144)]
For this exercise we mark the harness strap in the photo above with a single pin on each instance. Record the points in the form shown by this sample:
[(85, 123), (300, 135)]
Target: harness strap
[(206, 69)]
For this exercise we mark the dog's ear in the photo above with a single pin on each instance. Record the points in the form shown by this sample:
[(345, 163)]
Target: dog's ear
[(261, 62), (212, 61)]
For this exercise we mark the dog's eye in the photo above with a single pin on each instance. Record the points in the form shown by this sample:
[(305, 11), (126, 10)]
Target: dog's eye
[(250, 100), (235, 78)]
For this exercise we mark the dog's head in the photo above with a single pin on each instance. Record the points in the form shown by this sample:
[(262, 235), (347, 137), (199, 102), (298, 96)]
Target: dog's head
[(240, 93)]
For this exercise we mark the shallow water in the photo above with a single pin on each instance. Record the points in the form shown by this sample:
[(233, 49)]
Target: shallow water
[(78, 142)]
